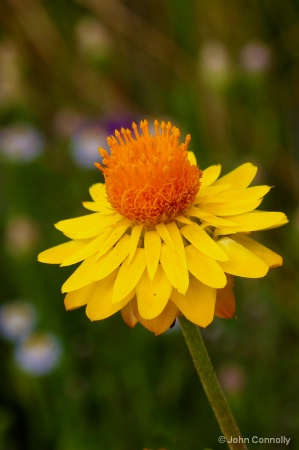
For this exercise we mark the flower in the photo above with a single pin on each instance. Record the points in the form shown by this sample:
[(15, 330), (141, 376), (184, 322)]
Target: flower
[(39, 354), (232, 378), (256, 57), (21, 143), (21, 235), (17, 320), (164, 238), (84, 144), (86, 138), (214, 65)]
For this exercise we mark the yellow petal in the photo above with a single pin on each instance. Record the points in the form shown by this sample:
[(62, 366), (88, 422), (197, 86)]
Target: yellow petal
[(203, 242), (183, 219), (161, 323), (175, 268), (128, 275), (176, 238), (82, 276), (153, 295), (100, 305), (103, 206), (78, 298), (91, 206), (77, 225), (239, 178), (90, 248), (211, 219), (128, 315), (98, 192), (204, 268), (100, 202), (100, 245), (135, 236), (255, 220), (225, 300), (248, 194), (59, 253), (210, 175), (152, 247), (113, 258), (242, 262), (209, 192), (198, 304), (88, 226), (164, 233), (192, 158), (271, 258), (231, 208)]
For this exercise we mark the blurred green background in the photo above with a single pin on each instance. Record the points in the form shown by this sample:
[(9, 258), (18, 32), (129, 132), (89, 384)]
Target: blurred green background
[(226, 71)]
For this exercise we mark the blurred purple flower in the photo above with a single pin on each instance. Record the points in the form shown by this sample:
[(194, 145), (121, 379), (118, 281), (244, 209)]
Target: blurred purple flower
[(232, 378), (256, 57), (91, 135)]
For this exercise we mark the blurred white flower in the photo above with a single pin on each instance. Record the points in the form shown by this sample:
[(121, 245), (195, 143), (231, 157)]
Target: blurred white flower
[(21, 234), (20, 143), (92, 38), (214, 63), (85, 144), (256, 57), (39, 354), (17, 320)]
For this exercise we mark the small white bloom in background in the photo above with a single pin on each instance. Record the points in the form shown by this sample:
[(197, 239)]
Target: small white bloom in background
[(21, 234), (20, 143), (256, 57), (17, 320), (85, 143), (39, 354), (92, 134), (93, 38), (214, 63)]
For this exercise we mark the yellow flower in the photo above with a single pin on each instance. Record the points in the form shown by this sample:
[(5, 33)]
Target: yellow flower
[(164, 238)]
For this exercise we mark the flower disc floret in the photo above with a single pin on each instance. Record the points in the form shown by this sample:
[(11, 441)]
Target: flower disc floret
[(149, 179)]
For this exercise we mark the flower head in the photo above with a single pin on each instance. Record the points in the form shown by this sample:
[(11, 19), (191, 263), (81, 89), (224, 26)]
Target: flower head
[(164, 238), (149, 179)]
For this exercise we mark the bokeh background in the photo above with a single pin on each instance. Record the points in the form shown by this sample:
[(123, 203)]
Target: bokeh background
[(226, 71)]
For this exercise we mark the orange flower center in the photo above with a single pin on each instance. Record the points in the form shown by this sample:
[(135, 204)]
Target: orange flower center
[(149, 178)]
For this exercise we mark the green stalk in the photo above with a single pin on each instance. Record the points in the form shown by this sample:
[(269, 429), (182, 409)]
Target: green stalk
[(211, 386)]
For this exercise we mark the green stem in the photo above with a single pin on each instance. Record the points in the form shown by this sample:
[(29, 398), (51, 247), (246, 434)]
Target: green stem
[(211, 385)]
